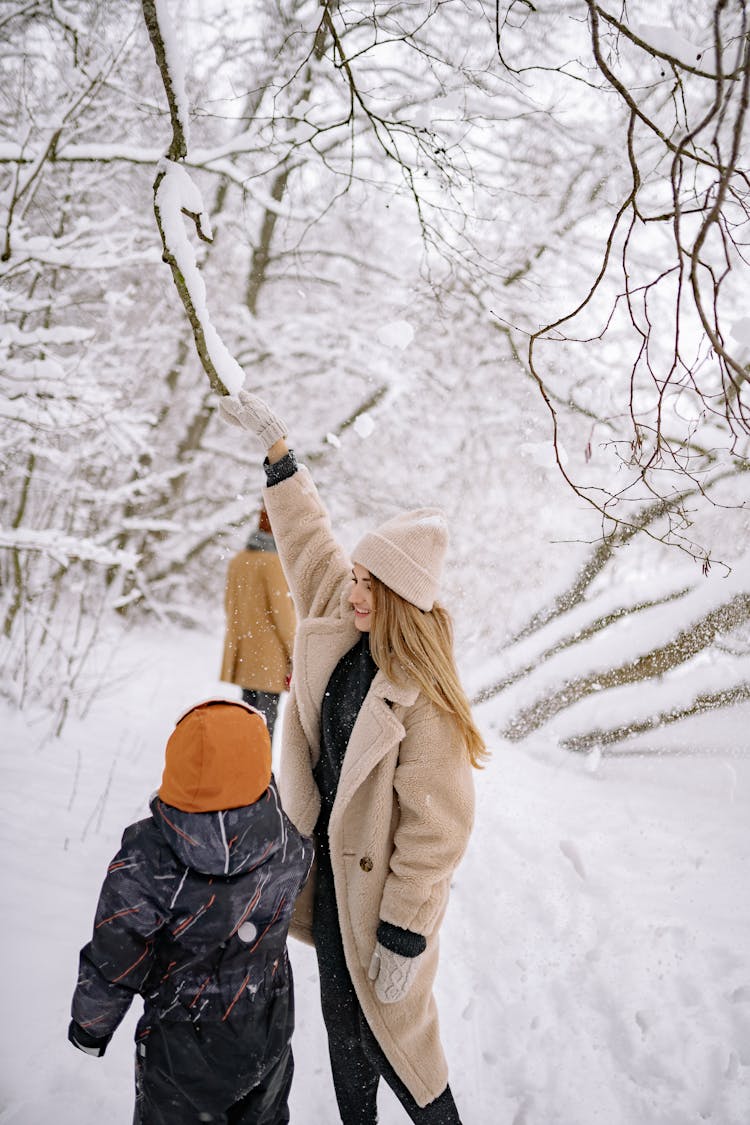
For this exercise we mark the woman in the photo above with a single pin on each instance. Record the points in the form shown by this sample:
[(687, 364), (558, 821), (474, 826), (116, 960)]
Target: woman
[(377, 754)]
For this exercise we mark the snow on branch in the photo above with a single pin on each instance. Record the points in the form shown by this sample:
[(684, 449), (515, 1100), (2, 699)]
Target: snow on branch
[(169, 61), (175, 196), (655, 661), (63, 548), (67, 19), (703, 702)]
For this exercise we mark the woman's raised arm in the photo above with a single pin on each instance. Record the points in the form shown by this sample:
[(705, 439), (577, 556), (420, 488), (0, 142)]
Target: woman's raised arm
[(314, 563)]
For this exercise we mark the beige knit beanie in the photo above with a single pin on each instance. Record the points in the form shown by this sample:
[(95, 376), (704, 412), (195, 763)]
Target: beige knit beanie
[(406, 553)]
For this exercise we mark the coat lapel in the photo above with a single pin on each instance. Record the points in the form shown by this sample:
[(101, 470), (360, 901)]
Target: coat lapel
[(376, 732), (320, 644)]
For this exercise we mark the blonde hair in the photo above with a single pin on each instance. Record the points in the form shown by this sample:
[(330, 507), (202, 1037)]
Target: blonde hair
[(421, 643)]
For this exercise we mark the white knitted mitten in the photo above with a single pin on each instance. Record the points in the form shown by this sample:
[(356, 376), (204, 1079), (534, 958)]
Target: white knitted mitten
[(250, 412), (393, 974)]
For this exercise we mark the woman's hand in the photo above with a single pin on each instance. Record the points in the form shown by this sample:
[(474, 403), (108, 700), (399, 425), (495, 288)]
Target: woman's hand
[(250, 412), (392, 973)]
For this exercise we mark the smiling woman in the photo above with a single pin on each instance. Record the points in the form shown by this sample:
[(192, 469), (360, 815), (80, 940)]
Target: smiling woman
[(377, 755), (361, 598)]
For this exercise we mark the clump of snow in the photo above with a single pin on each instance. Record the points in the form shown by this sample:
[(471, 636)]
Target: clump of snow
[(333, 440), (364, 425), (396, 334), (671, 42), (422, 116), (451, 102)]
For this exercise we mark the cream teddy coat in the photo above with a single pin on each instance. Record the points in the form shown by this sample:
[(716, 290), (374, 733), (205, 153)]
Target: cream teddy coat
[(405, 801)]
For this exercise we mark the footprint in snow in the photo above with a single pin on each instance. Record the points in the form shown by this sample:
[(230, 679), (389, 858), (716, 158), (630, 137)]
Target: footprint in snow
[(571, 853)]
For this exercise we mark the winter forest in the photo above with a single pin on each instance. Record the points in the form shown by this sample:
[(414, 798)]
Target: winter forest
[(483, 255)]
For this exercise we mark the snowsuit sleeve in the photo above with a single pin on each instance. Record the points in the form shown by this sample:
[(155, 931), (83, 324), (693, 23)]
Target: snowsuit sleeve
[(314, 563), (434, 787), (114, 965)]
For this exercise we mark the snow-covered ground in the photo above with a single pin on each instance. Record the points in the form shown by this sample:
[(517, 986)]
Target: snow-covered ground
[(595, 965)]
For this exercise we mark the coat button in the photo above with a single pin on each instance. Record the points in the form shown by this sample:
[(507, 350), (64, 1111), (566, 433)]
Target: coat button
[(365, 863)]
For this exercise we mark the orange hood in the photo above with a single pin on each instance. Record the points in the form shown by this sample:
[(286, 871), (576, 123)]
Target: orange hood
[(218, 757)]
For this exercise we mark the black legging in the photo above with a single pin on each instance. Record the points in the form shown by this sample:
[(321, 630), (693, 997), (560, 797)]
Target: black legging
[(357, 1060), (267, 702)]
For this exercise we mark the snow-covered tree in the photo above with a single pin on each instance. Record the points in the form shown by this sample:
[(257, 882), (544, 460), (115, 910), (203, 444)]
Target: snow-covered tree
[(406, 202)]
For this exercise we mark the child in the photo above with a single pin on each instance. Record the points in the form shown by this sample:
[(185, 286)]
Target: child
[(193, 915)]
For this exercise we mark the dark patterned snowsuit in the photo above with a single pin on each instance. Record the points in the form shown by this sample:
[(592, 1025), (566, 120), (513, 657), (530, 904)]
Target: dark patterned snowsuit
[(193, 916)]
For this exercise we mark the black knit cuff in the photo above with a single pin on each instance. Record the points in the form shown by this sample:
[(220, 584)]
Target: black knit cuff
[(405, 942), (280, 470), (82, 1039)]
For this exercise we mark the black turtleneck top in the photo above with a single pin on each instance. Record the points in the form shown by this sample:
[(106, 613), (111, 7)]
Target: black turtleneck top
[(349, 684)]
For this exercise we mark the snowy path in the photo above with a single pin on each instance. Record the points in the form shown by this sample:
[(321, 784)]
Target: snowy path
[(595, 959)]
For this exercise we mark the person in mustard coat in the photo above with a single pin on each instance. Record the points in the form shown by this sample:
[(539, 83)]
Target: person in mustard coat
[(260, 624), (376, 763)]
